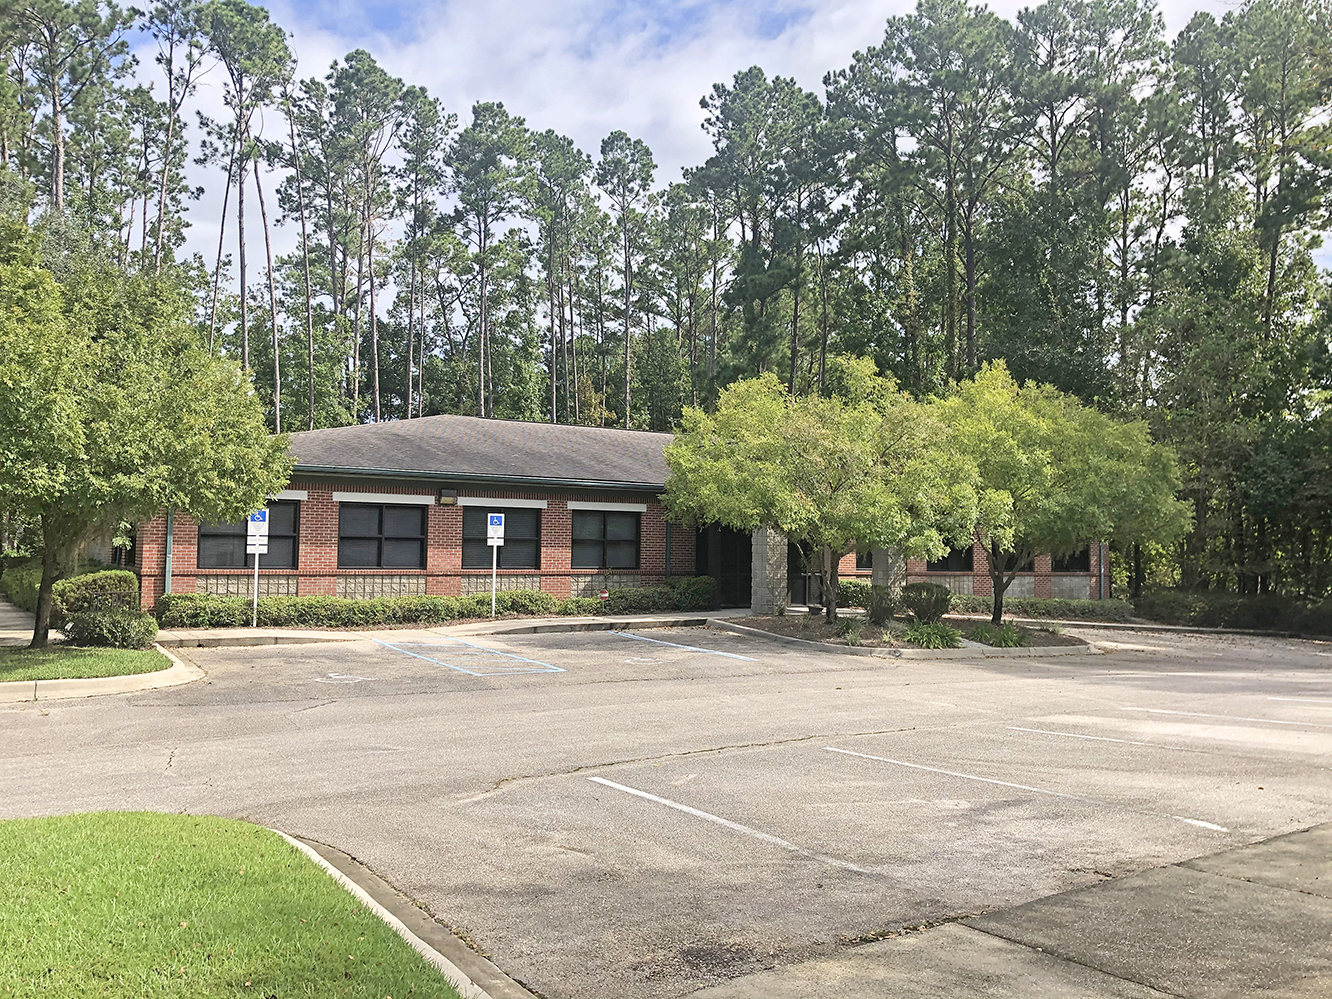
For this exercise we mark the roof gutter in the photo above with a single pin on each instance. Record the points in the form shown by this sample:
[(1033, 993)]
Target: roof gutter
[(523, 480)]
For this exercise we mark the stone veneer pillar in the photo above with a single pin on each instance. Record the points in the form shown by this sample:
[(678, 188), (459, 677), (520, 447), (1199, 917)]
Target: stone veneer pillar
[(768, 571), (888, 569)]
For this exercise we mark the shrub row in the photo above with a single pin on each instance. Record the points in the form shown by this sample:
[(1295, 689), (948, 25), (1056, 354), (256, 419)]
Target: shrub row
[(107, 590), (120, 629), (201, 610), (1229, 610), (1073, 610)]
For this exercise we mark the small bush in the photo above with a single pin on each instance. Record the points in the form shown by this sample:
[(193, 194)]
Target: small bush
[(929, 602), (933, 636), (202, 610), (882, 606), (525, 602), (117, 629), (1229, 610), (1006, 636), (579, 607), (853, 593), (1046, 607), (686, 593), (849, 629)]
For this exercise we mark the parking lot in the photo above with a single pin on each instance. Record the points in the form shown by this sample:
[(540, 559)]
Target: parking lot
[(645, 814)]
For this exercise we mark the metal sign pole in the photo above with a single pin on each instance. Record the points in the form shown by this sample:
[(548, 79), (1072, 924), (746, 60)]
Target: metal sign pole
[(494, 538), (494, 570), (256, 544), (254, 602)]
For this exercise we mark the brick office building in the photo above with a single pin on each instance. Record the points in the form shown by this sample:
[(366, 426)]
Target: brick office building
[(399, 508)]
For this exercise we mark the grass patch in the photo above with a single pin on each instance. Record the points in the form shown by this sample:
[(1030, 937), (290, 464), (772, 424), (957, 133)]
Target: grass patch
[(112, 904), (63, 662)]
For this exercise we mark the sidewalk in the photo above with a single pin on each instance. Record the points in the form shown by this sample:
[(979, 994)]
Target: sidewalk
[(15, 625), (188, 638), (1256, 920)]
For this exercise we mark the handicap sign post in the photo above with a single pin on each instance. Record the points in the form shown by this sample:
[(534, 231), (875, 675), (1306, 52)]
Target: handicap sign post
[(256, 544), (494, 538)]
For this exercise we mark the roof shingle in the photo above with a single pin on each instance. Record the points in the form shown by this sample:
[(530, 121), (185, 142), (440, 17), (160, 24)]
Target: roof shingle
[(469, 447)]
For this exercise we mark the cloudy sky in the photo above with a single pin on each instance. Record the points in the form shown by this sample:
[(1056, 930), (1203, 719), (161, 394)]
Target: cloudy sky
[(587, 67)]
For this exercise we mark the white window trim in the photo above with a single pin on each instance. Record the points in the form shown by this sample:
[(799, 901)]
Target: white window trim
[(393, 499), (292, 494), (516, 504), (609, 507)]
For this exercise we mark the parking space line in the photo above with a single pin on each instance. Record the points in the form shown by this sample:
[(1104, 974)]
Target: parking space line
[(473, 650), (675, 645), (1027, 787), (1200, 714), (1105, 738), (1304, 700), (822, 858)]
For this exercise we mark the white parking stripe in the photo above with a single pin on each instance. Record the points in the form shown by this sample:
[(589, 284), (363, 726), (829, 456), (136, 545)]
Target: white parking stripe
[(1027, 787), (676, 645), (1200, 714), (1104, 738), (733, 826), (1305, 700)]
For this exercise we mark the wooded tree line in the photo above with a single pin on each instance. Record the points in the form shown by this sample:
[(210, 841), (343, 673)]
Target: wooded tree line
[(1129, 217)]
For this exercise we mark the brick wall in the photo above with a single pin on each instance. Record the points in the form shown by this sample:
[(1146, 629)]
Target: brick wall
[(317, 571)]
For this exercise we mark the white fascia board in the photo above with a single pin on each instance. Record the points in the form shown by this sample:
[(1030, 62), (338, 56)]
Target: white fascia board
[(610, 507), (292, 494), (398, 499), (517, 504)]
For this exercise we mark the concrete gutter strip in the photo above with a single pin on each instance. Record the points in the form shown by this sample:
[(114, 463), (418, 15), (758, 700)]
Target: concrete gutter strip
[(45, 690), (467, 971)]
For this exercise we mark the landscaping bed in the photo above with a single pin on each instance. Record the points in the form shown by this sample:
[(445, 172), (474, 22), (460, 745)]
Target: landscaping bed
[(143, 904), (1011, 635), (65, 662), (813, 628)]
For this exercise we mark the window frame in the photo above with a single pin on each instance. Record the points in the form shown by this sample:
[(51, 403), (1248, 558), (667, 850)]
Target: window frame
[(380, 537), (604, 542), (473, 539), (966, 558), (864, 560), (247, 562), (1061, 564)]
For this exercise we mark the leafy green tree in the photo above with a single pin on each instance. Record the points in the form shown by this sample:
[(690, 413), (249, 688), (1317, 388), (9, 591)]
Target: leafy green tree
[(110, 411), (866, 466), (1061, 476)]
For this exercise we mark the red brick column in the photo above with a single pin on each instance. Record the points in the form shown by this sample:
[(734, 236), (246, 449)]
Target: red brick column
[(1044, 587)]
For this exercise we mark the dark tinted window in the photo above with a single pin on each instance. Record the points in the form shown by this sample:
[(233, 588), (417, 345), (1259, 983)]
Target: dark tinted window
[(373, 536), (865, 558), (222, 546), (606, 540), (957, 560), (522, 538), (1077, 562)]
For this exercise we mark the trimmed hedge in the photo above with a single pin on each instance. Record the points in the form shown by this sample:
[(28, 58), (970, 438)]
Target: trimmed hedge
[(579, 607), (1229, 610), (117, 629), (20, 584), (681, 594), (853, 593), (108, 590), (1073, 610)]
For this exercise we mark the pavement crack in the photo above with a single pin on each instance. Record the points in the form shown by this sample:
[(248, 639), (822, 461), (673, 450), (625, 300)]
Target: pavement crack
[(171, 758), (504, 782)]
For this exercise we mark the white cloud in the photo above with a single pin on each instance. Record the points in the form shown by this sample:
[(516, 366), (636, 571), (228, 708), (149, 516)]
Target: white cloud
[(585, 67)]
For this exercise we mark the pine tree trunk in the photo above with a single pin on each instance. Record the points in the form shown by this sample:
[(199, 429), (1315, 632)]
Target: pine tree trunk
[(305, 260), (240, 226), (272, 307), (221, 233)]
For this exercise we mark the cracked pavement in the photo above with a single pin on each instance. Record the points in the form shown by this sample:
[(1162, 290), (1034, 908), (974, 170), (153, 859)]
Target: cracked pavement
[(721, 837)]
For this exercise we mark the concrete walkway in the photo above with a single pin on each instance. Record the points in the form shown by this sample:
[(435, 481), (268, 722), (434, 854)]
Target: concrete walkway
[(1253, 921), (15, 625)]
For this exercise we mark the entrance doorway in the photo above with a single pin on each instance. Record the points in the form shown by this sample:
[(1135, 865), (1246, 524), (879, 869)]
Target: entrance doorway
[(727, 556)]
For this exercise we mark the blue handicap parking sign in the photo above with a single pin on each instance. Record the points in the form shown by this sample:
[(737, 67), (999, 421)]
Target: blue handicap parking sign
[(497, 520), (259, 516)]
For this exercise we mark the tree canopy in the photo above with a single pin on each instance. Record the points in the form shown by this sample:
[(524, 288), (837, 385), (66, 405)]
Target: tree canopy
[(111, 411)]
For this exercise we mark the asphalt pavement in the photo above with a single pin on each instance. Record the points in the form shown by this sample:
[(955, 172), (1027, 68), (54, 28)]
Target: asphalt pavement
[(652, 814)]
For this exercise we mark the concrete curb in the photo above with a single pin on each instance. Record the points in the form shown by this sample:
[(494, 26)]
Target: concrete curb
[(179, 672), (467, 971), (971, 651), (208, 638), (1167, 629)]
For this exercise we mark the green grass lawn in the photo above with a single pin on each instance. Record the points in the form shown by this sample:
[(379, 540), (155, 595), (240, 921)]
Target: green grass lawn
[(148, 905), (59, 662)]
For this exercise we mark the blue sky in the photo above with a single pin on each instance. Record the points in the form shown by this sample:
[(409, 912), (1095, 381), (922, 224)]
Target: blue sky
[(587, 67)]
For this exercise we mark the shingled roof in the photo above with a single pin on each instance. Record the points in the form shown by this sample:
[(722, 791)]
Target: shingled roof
[(469, 448)]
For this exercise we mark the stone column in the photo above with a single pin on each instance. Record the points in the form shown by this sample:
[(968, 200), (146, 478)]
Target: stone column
[(889, 569), (768, 575)]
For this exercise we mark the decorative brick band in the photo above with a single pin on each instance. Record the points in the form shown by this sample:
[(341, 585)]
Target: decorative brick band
[(364, 587), (237, 585)]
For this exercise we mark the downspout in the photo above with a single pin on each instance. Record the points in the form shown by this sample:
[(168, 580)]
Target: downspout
[(668, 549), (169, 538)]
